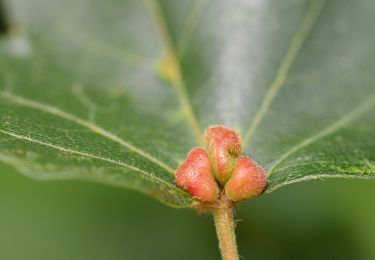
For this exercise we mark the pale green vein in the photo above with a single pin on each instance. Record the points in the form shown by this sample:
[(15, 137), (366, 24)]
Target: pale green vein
[(79, 93), (327, 131), (304, 29), (369, 164), (177, 81), (96, 129), (190, 26), (320, 176), (79, 153)]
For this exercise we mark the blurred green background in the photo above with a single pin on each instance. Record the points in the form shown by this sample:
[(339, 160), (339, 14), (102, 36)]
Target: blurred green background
[(332, 219)]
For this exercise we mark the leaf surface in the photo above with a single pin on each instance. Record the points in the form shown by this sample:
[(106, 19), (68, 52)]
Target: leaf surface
[(118, 91)]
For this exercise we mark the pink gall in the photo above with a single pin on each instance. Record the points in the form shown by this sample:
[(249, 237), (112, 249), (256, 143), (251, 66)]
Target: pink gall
[(195, 176), (224, 147), (248, 180)]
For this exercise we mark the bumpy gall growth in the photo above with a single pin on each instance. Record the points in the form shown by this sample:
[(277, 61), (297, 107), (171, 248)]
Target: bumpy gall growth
[(202, 172), (224, 147), (248, 180), (195, 176)]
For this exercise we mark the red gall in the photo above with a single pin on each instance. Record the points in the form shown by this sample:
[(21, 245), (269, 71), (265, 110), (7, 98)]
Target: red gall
[(224, 147), (195, 176), (248, 180)]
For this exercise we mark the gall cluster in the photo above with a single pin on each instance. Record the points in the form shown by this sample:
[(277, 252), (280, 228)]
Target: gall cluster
[(220, 169)]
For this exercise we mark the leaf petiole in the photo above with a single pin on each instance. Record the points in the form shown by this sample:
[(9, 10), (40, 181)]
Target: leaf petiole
[(225, 228)]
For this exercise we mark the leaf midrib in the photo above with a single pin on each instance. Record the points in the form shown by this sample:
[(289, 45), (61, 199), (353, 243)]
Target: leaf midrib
[(158, 18)]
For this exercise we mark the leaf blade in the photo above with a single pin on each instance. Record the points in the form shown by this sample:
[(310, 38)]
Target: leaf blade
[(106, 81)]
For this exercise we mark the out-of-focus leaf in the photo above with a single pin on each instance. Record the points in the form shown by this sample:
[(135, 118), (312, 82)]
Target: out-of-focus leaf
[(119, 91)]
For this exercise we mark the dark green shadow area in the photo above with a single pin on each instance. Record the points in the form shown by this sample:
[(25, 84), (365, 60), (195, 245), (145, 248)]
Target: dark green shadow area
[(76, 220), (4, 23)]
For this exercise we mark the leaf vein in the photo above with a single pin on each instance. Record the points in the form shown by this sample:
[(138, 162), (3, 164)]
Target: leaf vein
[(304, 29), (63, 149), (320, 176), (96, 129), (190, 26), (360, 110), (158, 17)]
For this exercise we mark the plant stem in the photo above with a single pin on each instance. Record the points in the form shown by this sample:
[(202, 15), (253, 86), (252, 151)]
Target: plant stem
[(224, 223)]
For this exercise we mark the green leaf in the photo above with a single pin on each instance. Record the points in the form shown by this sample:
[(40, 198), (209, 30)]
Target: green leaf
[(118, 91)]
